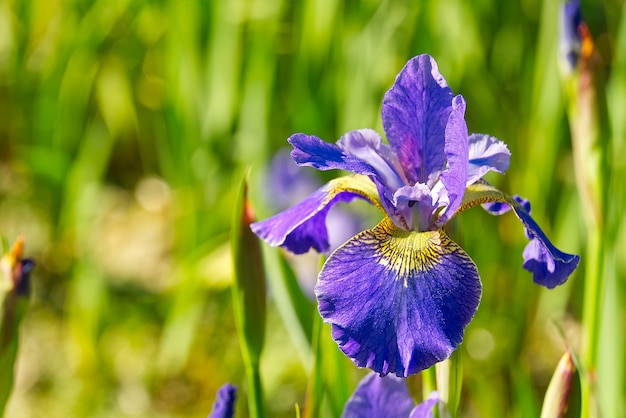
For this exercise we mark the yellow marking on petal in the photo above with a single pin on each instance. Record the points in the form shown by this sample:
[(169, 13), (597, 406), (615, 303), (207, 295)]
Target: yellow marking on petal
[(408, 252), (356, 183), (482, 192)]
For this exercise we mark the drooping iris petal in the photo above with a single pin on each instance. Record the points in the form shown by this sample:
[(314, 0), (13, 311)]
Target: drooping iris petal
[(550, 266), (303, 226), (398, 301), (415, 114), (224, 406), (377, 396), (456, 149), (425, 409), (486, 153)]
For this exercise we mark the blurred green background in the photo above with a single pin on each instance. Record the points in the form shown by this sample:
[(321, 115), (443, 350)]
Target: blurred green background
[(125, 126)]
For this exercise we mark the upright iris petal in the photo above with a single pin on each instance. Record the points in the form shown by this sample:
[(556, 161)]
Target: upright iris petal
[(415, 115), (399, 296)]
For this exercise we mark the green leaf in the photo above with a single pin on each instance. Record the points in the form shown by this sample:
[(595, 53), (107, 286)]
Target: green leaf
[(249, 296)]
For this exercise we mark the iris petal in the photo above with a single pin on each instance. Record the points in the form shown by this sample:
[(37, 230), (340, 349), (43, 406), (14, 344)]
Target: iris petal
[(224, 406), (303, 226), (549, 265), (398, 301), (456, 149), (415, 115), (311, 151), (425, 409), (367, 146), (486, 153), (377, 396)]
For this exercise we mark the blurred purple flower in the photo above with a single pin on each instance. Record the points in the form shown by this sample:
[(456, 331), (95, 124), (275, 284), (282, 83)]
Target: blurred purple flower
[(288, 184), (570, 39), (388, 397), (224, 406), (400, 295)]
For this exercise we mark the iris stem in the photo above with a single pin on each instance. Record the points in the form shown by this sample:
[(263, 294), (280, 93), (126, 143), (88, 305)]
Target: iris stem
[(255, 392), (450, 380), (592, 305), (315, 388), (429, 384), (446, 378)]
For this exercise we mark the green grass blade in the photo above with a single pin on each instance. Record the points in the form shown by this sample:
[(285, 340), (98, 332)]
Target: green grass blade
[(249, 297)]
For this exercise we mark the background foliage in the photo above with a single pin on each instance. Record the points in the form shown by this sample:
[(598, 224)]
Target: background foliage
[(125, 127)]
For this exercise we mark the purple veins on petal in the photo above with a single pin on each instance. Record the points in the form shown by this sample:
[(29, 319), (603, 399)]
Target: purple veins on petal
[(224, 406), (415, 114), (377, 396), (456, 150), (309, 150), (398, 301)]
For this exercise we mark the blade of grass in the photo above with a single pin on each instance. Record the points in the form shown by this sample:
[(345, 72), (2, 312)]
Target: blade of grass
[(249, 300)]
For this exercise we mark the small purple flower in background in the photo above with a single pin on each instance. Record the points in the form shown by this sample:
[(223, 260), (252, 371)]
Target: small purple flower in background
[(387, 397), (400, 295), (288, 184), (224, 406), (570, 42)]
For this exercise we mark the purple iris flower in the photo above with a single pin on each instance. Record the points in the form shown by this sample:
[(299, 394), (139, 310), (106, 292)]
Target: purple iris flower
[(399, 295), (224, 406), (386, 397)]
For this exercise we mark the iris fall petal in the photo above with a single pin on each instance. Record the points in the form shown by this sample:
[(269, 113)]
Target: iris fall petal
[(303, 226), (398, 301)]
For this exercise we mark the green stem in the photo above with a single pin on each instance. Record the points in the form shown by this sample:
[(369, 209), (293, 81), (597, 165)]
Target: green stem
[(592, 305), (255, 391), (429, 384), (450, 380), (315, 388)]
